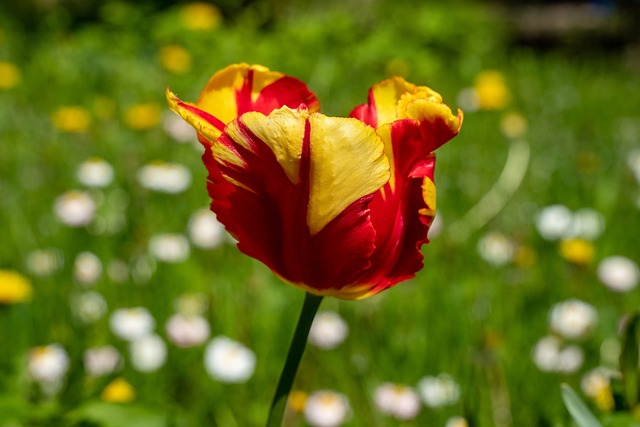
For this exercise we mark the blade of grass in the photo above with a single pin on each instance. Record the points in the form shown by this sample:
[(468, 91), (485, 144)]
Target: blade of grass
[(578, 410)]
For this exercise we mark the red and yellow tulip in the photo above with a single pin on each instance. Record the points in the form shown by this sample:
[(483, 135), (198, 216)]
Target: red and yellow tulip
[(336, 206)]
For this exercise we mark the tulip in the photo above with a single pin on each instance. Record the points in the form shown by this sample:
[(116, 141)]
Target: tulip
[(336, 206)]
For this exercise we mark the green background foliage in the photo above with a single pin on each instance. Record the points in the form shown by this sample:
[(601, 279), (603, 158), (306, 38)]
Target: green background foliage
[(460, 315)]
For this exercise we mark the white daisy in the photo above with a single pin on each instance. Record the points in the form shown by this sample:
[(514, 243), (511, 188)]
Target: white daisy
[(618, 273), (328, 330), (229, 361), (131, 323), (326, 408), (187, 330)]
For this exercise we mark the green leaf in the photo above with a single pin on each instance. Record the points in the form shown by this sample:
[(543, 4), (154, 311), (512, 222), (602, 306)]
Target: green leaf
[(118, 415), (629, 361), (578, 410)]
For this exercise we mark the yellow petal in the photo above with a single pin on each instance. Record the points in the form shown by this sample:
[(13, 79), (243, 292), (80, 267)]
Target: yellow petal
[(384, 132), (282, 131), (118, 390), (347, 163), (386, 95), (425, 110), (429, 196), (201, 125), (218, 98)]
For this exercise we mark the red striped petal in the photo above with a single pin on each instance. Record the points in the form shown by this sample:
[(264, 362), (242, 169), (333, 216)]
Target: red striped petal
[(267, 211), (399, 212)]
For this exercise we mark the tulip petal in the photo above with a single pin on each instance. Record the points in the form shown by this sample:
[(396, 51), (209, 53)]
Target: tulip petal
[(402, 211), (389, 100), (208, 127), (241, 88), (294, 189), (236, 90), (348, 162), (438, 124)]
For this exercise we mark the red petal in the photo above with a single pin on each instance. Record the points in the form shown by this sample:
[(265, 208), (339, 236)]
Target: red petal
[(287, 91), (267, 212), (399, 212)]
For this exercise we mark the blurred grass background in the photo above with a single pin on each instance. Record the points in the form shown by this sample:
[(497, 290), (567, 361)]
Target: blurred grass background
[(552, 114)]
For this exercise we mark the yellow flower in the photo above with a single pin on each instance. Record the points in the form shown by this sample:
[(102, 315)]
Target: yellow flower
[(71, 119), (14, 287), (9, 75), (118, 390), (492, 90), (142, 116), (604, 399), (577, 251), (175, 59), (201, 16), (297, 400)]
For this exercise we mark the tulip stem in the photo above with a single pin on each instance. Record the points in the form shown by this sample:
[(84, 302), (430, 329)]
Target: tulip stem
[(298, 344)]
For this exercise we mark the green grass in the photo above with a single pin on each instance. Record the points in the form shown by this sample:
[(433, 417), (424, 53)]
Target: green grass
[(460, 315)]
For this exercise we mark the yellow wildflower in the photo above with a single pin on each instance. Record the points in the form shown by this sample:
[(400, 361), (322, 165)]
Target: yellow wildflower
[(201, 16), (604, 399), (175, 59), (577, 251), (118, 390), (9, 75), (71, 119), (297, 400), (14, 287), (142, 116), (492, 90)]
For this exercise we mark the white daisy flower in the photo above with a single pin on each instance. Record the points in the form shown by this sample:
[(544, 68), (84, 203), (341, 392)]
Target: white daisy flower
[(131, 323), (101, 361), (148, 353), (397, 400), (169, 247), (205, 231), (48, 365), (328, 330), (618, 273), (573, 318), (229, 361), (439, 391), (75, 208), (187, 330), (587, 224), (95, 172), (164, 177), (554, 222), (87, 268), (496, 248), (550, 355), (326, 408)]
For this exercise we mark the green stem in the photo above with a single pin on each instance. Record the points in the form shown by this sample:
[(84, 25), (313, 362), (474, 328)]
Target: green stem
[(299, 342)]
